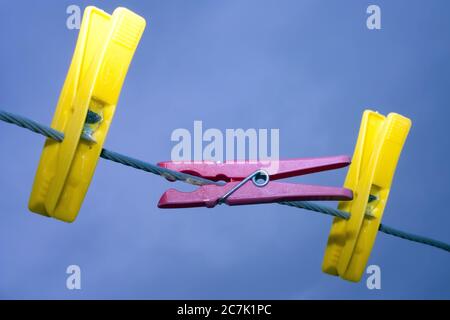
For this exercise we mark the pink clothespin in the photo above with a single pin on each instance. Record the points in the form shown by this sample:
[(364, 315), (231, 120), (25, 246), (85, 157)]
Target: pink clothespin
[(238, 190)]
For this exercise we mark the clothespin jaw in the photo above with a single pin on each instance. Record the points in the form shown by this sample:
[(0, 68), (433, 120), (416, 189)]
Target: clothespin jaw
[(104, 50), (378, 148)]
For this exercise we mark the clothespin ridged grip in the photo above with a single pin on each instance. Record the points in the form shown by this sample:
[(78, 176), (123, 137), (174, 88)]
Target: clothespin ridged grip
[(104, 50)]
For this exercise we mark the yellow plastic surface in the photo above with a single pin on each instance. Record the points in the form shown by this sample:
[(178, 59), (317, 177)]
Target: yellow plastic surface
[(105, 46), (380, 142)]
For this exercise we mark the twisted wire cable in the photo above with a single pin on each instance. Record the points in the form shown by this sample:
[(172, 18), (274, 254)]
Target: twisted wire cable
[(106, 154), (414, 237), (170, 175), (312, 206), (199, 181)]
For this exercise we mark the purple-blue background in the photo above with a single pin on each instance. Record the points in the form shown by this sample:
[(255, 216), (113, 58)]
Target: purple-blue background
[(309, 68)]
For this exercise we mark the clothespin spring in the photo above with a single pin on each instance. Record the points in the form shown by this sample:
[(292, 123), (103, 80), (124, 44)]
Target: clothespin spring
[(260, 178)]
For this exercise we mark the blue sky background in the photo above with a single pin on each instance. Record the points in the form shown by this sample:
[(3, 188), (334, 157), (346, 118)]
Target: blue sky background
[(309, 68)]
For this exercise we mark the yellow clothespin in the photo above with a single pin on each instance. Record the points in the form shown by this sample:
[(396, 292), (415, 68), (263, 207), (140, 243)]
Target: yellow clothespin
[(380, 142), (105, 46)]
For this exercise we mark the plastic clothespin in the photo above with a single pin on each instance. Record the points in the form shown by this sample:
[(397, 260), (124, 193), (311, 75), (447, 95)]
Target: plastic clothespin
[(380, 142), (236, 190), (104, 50)]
